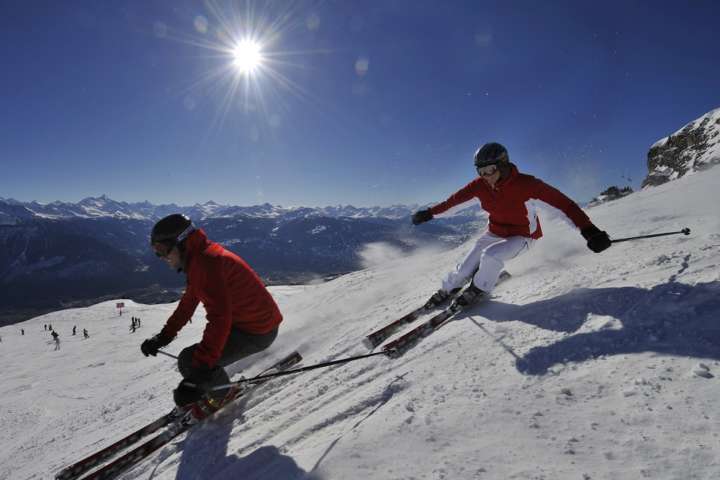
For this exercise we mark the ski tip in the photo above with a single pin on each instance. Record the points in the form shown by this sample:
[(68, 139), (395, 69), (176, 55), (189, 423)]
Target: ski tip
[(369, 344), (294, 357)]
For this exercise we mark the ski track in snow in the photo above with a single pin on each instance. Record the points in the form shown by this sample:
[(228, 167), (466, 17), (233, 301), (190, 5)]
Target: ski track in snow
[(582, 366)]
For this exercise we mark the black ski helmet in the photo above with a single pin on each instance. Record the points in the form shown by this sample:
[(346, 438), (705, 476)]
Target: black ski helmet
[(172, 230), (491, 154)]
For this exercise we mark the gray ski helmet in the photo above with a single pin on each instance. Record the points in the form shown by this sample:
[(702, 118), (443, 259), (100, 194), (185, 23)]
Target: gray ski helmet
[(491, 154), (172, 230)]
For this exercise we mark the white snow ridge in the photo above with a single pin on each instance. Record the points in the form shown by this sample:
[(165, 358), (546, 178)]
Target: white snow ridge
[(583, 366)]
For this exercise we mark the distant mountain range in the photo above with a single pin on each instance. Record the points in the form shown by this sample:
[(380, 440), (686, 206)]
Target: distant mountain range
[(13, 211), (66, 254)]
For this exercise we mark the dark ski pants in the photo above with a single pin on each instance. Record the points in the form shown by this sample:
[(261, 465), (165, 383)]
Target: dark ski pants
[(238, 346)]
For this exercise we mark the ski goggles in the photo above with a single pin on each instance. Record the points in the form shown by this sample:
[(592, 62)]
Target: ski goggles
[(486, 170)]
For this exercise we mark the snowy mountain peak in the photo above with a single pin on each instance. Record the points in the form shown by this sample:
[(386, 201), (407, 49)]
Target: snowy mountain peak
[(693, 148)]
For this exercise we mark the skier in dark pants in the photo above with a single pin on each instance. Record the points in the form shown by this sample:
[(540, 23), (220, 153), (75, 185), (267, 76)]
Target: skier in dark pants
[(242, 316), (511, 199), (56, 337)]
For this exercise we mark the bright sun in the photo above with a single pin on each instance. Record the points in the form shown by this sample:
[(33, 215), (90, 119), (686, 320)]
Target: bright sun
[(247, 56)]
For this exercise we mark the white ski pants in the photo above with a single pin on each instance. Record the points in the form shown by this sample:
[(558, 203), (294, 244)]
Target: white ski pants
[(486, 260)]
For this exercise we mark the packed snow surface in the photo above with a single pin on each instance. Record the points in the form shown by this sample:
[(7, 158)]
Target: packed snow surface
[(583, 366)]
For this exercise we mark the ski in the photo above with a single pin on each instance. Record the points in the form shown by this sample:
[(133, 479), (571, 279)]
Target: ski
[(95, 459), (380, 335), (174, 423), (400, 345)]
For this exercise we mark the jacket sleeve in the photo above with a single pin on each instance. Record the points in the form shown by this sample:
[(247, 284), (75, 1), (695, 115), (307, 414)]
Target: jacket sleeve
[(183, 313), (555, 198), (466, 193), (219, 317)]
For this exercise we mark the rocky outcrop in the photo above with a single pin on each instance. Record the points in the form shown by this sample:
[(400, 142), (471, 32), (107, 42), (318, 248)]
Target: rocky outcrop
[(693, 148), (612, 193)]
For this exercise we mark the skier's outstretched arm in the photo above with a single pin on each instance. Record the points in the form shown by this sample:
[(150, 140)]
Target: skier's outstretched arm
[(468, 192), (597, 240)]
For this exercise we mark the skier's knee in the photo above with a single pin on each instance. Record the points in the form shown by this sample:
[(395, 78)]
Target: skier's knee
[(185, 361)]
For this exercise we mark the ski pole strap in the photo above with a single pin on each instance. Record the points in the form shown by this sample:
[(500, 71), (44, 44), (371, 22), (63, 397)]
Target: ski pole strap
[(260, 378), (685, 231)]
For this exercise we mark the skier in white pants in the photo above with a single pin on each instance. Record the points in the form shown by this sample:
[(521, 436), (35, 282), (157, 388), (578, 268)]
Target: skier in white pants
[(490, 253), (511, 199)]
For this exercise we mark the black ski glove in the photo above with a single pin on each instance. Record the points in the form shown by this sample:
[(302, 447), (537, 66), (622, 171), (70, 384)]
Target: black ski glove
[(422, 216), (597, 240), (153, 344)]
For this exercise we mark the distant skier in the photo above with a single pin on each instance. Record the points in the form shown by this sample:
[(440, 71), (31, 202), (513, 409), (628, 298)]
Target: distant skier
[(510, 198), (45, 326), (242, 316), (22, 331), (85, 333), (56, 337), (74, 329)]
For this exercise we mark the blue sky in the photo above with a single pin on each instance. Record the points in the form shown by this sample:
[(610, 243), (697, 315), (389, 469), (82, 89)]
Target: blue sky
[(364, 103)]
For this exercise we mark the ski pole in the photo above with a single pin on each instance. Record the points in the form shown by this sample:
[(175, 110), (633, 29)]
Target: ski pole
[(290, 372), (167, 354), (685, 231)]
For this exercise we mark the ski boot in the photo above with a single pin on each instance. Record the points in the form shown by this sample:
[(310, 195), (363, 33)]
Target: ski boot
[(215, 403), (469, 297), (208, 405), (440, 297)]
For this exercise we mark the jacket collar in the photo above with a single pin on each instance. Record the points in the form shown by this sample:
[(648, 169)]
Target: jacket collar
[(196, 243), (509, 179)]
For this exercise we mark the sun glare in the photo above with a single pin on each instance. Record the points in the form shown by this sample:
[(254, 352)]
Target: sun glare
[(246, 65), (247, 56)]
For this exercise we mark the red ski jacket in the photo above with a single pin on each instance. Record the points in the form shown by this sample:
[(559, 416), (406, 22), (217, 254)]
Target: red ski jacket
[(232, 293), (512, 204)]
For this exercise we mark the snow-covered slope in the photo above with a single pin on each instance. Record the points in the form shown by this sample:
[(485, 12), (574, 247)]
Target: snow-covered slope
[(584, 366)]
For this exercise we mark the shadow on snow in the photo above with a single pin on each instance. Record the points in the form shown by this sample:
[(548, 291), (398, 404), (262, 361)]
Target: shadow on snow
[(671, 319), (205, 455)]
